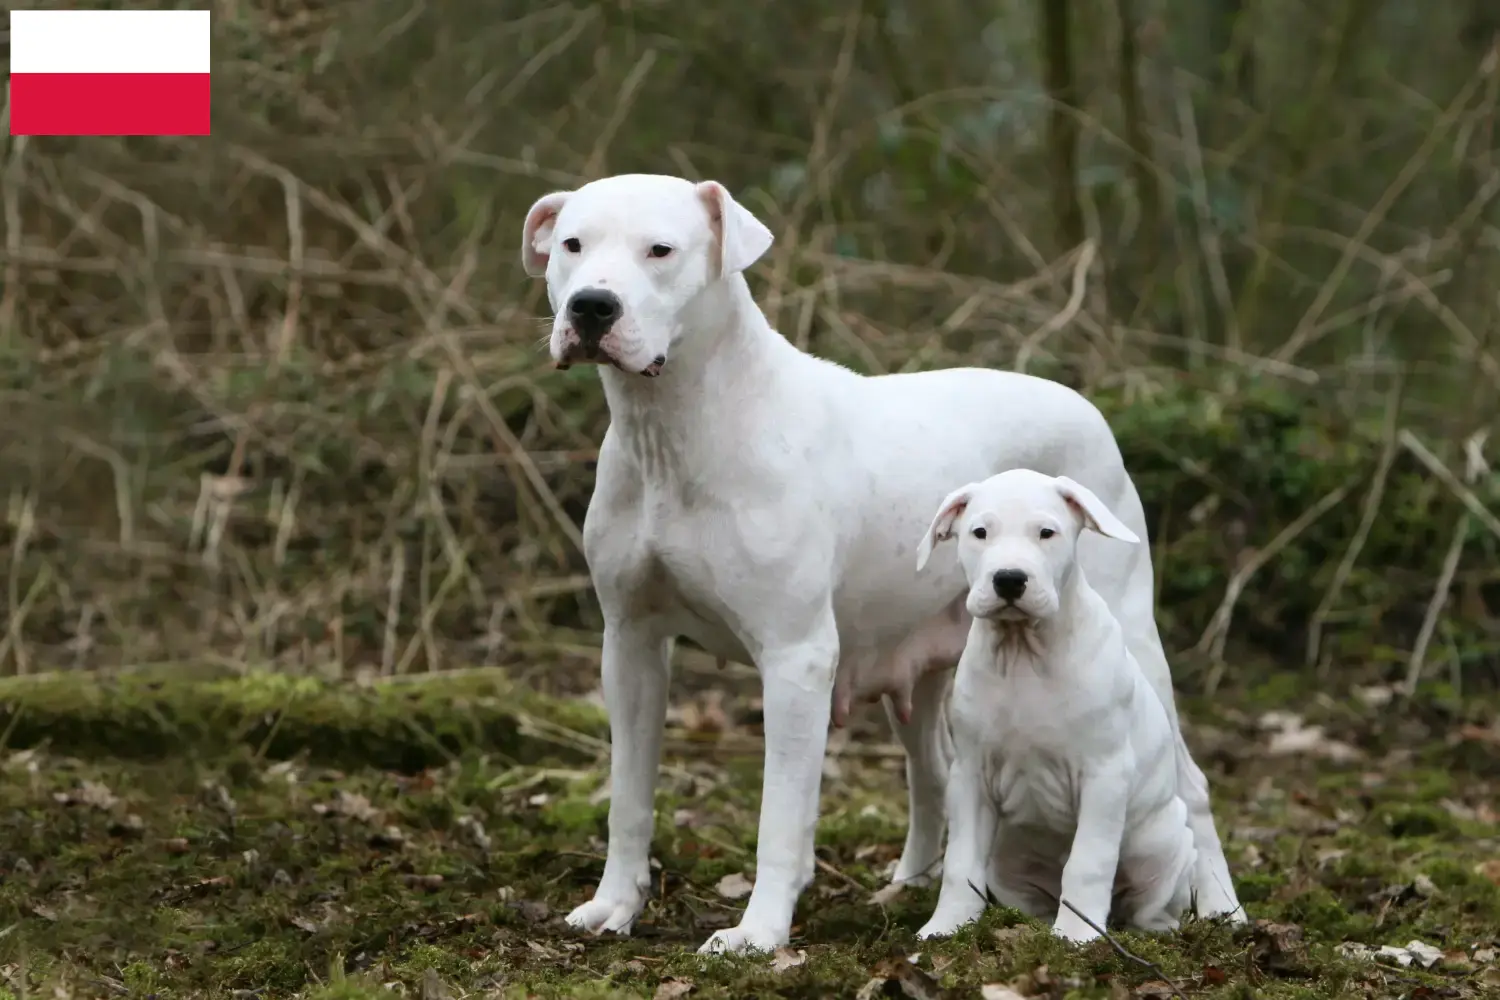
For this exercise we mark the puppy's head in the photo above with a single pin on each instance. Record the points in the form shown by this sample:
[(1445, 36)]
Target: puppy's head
[(1017, 539), (624, 258)]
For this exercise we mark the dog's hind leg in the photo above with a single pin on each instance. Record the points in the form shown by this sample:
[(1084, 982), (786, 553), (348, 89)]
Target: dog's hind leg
[(1212, 885), (929, 753), (1156, 867)]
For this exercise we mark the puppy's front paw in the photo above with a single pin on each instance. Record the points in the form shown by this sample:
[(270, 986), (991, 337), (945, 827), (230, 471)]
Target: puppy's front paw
[(942, 925), (744, 938)]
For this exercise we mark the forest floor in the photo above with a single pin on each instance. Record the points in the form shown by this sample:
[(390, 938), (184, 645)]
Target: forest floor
[(226, 862)]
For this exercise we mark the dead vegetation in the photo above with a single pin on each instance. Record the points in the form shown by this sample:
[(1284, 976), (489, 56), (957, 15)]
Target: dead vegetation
[(276, 403)]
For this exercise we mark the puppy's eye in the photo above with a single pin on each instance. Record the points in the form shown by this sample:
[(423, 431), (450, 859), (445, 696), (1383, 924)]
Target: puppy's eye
[(1047, 532), (660, 250), (572, 245), (979, 532)]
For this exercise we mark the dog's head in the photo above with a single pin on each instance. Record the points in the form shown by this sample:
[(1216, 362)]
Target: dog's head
[(626, 256), (1017, 539)]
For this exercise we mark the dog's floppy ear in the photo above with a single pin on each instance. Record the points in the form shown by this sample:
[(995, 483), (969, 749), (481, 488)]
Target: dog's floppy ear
[(536, 235), (941, 528), (743, 238), (1092, 510)]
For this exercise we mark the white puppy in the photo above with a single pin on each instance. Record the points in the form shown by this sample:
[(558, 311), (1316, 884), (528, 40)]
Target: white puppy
[(765, 503), (1064, 783)]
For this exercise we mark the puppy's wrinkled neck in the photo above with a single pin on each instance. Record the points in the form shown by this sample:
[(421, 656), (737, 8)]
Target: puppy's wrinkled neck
[(1034, 643), (1015, 643)]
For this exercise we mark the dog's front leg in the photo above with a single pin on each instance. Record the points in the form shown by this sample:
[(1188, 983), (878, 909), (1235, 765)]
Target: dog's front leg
[(972, 824), (797, 693), (1088, 878), (636, 671)]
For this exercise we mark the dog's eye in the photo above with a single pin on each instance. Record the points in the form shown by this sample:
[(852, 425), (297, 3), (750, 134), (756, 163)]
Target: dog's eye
[(979, 532), (660, 250), (572, 245), (1047, 532)]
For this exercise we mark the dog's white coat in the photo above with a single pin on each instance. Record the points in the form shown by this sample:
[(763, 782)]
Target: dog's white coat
[(1064, 780), (765, 503)]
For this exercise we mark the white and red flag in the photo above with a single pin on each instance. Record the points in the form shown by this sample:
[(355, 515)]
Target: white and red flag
[(109, 72)]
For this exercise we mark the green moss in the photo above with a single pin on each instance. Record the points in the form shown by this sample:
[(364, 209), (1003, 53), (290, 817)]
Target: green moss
[(301, 888), (1257, 887), (405, 726), (1419, 821)]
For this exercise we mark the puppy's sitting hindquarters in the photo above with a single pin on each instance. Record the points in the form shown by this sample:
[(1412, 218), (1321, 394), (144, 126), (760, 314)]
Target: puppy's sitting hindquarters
[(1064, 785)]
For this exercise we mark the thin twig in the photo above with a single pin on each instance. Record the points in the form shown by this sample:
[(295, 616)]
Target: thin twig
[(1477, 467), (1215, 635), (1066, 315), (1123, 951), (1437, 468), (1362, 532)]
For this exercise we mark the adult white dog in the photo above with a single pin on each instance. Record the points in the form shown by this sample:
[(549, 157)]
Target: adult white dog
[(1064, 782), (765, 503)]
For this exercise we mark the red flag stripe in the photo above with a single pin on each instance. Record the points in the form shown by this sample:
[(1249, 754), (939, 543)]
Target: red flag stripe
[(109, 103)]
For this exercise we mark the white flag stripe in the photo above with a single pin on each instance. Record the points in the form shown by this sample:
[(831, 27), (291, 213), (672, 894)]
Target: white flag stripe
[(109, 41)]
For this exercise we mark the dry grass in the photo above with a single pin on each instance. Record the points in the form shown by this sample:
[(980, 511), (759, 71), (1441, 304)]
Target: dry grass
[(278, 399)]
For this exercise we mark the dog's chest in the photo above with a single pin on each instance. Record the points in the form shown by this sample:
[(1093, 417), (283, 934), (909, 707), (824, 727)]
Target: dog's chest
[(1036, 738)]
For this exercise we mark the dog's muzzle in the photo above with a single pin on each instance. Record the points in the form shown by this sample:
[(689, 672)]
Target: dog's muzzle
[(593, 311)]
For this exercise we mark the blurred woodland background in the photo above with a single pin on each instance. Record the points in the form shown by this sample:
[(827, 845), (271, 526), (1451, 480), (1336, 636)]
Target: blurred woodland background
[(278, 397)]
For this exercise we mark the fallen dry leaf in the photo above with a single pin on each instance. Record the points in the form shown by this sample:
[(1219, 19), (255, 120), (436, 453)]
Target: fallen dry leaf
[(734, 886), (909, 981), (88, 793), (1291, 735), (998, 991), (1489, 869), (1483, 955), (706, 715), (1480, 734), (786, 958), (1156, 989), (671, 988), (1007, 934), (351, 804), (1424, 955), (433, 987), (1278, 947)]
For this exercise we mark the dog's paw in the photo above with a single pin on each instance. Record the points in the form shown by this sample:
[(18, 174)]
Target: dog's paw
[(1219, 905), (744, 938), (1070, 927), (604, 913), (940, 927), (916, 877)]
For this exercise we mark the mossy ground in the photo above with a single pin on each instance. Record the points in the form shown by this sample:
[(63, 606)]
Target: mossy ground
[(235, 874)]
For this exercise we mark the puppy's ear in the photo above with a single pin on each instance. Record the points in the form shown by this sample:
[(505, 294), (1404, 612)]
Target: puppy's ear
[(941, 528), (1093, 512), (743, 239), (536, 235)]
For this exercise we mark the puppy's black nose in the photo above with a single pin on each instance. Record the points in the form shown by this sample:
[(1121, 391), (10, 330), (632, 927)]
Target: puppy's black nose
[(593, 311), (1010, 584)]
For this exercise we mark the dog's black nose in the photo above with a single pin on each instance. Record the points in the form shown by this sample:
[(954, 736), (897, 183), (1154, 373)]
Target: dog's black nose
[(1010, 584), (593, 311)]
